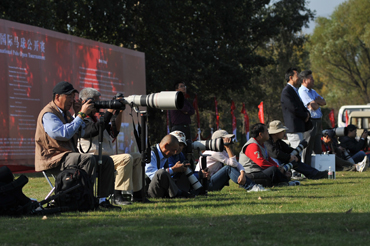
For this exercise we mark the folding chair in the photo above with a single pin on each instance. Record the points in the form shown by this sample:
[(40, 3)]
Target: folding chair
[(53, 172)]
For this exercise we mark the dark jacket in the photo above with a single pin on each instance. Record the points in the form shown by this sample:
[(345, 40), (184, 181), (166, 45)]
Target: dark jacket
[(92, 128), (294, 112), (353, 145), (278, 150)]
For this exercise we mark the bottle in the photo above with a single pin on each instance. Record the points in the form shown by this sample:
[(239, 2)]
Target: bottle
[(330, 173)]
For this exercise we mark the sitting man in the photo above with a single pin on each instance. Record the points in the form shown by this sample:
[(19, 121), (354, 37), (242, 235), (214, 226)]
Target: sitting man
[(343, 161), (56, 140), (280, 151), (219, 174), (128, 166), (355, 148), (159, 181), (258, 164)]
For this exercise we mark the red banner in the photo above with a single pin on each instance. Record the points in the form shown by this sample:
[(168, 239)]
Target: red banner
[(246, 120), (195, 106), (261, 115), (217, 116), (233, 117), (331, 118), (347, 118)]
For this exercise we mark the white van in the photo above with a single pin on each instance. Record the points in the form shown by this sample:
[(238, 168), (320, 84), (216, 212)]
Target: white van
[(349, 108)]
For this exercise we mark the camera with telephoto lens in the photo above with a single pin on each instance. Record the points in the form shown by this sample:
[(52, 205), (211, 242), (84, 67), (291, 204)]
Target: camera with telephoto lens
[(214, 145), (300, 148), (165, 100), (192, 179)]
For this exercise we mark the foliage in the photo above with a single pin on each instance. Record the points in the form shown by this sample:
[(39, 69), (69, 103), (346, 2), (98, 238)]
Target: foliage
[(339, 51), (316, 213)]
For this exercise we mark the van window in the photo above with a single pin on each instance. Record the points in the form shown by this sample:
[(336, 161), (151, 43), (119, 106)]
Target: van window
[(349, 111)]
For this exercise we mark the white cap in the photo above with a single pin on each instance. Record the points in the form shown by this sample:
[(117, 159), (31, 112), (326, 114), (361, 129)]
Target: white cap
[(222, 134), (180, 136)]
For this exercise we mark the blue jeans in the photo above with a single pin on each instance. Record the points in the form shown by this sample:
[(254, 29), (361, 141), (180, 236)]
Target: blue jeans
[(222, 177), (359, 156)]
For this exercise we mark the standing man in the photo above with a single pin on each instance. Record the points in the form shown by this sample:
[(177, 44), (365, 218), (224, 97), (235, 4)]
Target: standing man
[(296, 115), (180, 119), (312, 101), (56, 140)]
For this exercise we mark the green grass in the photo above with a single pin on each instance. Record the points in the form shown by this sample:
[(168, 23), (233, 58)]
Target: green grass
[(311, 214)]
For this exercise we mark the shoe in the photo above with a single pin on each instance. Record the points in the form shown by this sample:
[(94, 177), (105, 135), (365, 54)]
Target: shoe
[(294, 183), (361, 166), (256, 188), (107, 206), (184, 194), (321, 175), (367, 163), (139, 199), (120, 201)]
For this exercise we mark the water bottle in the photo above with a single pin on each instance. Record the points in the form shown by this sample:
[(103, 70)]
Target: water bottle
[(330, 174)]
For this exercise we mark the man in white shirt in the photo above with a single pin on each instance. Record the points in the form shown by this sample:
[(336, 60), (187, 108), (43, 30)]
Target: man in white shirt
[(219, 174)]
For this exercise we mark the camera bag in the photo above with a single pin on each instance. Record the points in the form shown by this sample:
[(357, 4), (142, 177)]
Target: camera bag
[(81, 197)]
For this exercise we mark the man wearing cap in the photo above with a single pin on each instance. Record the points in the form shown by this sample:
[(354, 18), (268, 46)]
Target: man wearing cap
[(280, 151), (343, 161), (128, 166), (56, 140), (223, 166), (258, 164), (158, 173), (355, 148)]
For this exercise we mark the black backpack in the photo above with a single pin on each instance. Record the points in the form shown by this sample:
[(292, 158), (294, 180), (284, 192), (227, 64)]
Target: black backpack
[(12, 200), (80, 195)]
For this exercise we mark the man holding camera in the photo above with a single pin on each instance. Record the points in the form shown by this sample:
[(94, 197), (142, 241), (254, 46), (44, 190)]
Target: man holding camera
[(128, 166), (355, 148), (56, 140), (159, 181), (223, 166), (280, 151), (258, 164)]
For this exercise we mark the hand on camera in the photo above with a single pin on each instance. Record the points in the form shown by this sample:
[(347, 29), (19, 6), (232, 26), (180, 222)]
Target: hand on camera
[(87, 107), (206, 174), (179, 167), (293, 158), (364, 134)]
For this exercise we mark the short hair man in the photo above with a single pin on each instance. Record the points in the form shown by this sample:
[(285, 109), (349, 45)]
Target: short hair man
[(128, 166), (281, 151), (223, 166), (159, 181), (180, 118), (355, 148), (296, 115), (312, 101), (343, 161), (56, 140), (256, 161)]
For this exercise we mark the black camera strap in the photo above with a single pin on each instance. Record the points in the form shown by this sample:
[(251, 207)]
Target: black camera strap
[(79, 146), (136, 132)]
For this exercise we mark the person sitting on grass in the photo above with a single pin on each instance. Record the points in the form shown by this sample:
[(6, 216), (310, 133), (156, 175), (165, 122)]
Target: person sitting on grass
[(355, 148), (218, 174), (258, 164), (281, 151), (343, 161)]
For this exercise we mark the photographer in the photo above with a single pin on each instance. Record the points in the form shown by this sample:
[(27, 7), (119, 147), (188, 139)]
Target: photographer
[(343, 161), (355, 148), (128, 166), (280, 151), (219, 174), (56, 140)]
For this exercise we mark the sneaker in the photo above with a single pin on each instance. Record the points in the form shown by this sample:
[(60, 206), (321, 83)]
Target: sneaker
[(139, 199), (107, 206), (367, 163), (361, 166), (294, 183), (256, 188)]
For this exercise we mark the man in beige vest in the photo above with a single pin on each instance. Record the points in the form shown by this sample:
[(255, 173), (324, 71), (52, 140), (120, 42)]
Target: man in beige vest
[(56, 140), (128, 166)]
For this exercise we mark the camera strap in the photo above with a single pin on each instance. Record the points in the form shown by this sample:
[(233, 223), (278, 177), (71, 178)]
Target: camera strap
[(80, 147), (136, 134)]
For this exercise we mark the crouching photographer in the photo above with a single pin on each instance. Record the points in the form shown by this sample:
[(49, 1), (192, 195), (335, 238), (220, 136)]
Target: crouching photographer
[(128, 167), (223, 166)]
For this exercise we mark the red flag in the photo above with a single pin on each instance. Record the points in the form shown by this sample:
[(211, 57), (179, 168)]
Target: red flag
[(246, 121), (233, 117), (217, 116), (331, 118), (168, 122), (195, 106), (261, 115), (347, 118)]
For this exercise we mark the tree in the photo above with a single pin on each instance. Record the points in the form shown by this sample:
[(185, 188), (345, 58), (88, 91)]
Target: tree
[(339, 50)]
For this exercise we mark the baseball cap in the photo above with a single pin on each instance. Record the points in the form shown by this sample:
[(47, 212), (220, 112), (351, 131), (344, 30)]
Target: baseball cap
[(180, 136), (64, 88), (222, 134)]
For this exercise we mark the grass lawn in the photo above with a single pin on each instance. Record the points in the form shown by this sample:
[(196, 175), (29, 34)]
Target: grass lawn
[(313, 213)]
